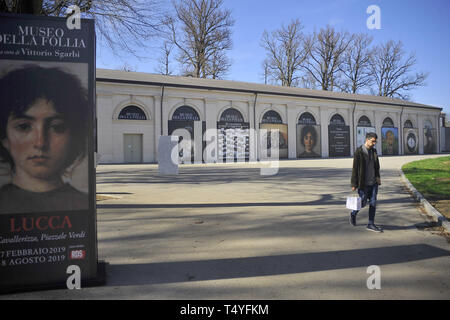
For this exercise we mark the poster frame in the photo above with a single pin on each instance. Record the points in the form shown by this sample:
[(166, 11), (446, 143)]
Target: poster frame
[(93, 271)]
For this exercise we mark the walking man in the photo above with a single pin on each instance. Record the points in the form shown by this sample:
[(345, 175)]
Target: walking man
[(366, 178)]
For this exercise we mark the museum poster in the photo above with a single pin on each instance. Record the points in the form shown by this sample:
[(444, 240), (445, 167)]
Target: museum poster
[(429, 140), (339, 140), (411, 142), (389, 141), (447, 139), (361, 135), (308, 141), (233, 140), (194, 136), (47, 174), (269, 142)]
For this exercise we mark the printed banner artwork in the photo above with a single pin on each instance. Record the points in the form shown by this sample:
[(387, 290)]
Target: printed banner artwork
[(361, 135), (411, 137), (429, 140), (47, 173), (389, 141), (308, 141), (269, 142), (132, 113), (188, 138), (233, 141), (339, 140), (447, 139)]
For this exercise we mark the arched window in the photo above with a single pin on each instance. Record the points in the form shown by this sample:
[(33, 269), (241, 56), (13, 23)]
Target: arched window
[(132, 113), (364, 122), (272, 117), (408, 124), (388, 123), (337, 120), (232, 115), (307, 118), (185, 113)]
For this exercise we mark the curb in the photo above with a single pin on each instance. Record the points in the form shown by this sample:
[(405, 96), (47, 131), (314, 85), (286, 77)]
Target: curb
[(435, 214)]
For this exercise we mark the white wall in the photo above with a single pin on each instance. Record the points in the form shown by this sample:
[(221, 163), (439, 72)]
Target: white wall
[(209, 104)]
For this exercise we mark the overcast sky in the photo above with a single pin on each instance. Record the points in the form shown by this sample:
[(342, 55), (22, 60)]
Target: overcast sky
[(422, 26)]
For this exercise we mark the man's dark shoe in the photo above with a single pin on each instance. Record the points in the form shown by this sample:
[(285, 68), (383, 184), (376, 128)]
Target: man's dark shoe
[(353, 219), (374, 228)]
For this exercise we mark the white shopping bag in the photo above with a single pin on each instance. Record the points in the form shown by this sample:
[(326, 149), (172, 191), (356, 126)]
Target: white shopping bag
[(353, 202)]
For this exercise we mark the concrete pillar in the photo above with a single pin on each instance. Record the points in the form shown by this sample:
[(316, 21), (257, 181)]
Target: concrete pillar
[(157, 127), (211, 130), (252, 132), (324, 113), (292, 130), (105, 109), (420, 127)]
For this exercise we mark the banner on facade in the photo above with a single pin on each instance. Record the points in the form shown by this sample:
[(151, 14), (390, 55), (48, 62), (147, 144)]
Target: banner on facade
[(189, 139), (47, 173), (308, 141), (411, 142), (361, 135), (339, 140), (268, 140), (447, 139), (233, 141), (429, 141), (389, 141)]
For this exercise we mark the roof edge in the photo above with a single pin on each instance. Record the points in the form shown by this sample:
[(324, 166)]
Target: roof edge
[(355, 98)]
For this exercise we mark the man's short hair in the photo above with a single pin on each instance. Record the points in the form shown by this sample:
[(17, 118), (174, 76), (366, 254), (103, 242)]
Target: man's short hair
[(371, 135)]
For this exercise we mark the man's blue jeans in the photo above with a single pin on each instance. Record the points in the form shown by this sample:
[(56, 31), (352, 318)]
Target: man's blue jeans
[(369, 193)]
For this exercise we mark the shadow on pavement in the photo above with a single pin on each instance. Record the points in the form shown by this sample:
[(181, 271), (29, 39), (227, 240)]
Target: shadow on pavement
[(325, 199), (203, 270)]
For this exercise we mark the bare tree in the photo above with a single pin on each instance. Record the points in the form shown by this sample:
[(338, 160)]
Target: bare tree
[(393, 72), (327, 52), (201, 30), (127, 67), (356, 64), (265, 67), (218, 66), (308, 82), (287, 49), (164, 60), (123, 24)]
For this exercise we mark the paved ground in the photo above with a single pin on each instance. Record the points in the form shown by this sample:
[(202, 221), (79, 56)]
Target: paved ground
[(226, 232)]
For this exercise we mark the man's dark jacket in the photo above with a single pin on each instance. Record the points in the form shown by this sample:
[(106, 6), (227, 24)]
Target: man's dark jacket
[(360, 159)]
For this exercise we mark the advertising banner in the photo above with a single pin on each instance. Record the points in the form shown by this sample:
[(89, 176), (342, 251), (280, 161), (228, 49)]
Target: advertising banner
[(47, 173), (429, 141), (361, 135), (389, 141), (411, 145), (339, 140), (193, 136), (268, 141), (308, 141), (447, 139), (233, 141)]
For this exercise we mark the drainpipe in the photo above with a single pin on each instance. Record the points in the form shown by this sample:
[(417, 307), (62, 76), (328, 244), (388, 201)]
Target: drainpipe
[(400, 135), (161, 111), (353, 128), (254, 123), (439, 133)]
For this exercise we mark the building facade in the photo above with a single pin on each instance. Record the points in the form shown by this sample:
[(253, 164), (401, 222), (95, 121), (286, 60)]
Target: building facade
[(234, 121)]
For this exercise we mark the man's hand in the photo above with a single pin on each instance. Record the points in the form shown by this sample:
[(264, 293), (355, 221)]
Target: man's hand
[(379, 181)]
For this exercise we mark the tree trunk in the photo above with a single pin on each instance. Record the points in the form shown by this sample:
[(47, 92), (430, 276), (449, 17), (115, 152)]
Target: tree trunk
[(28, 7)]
